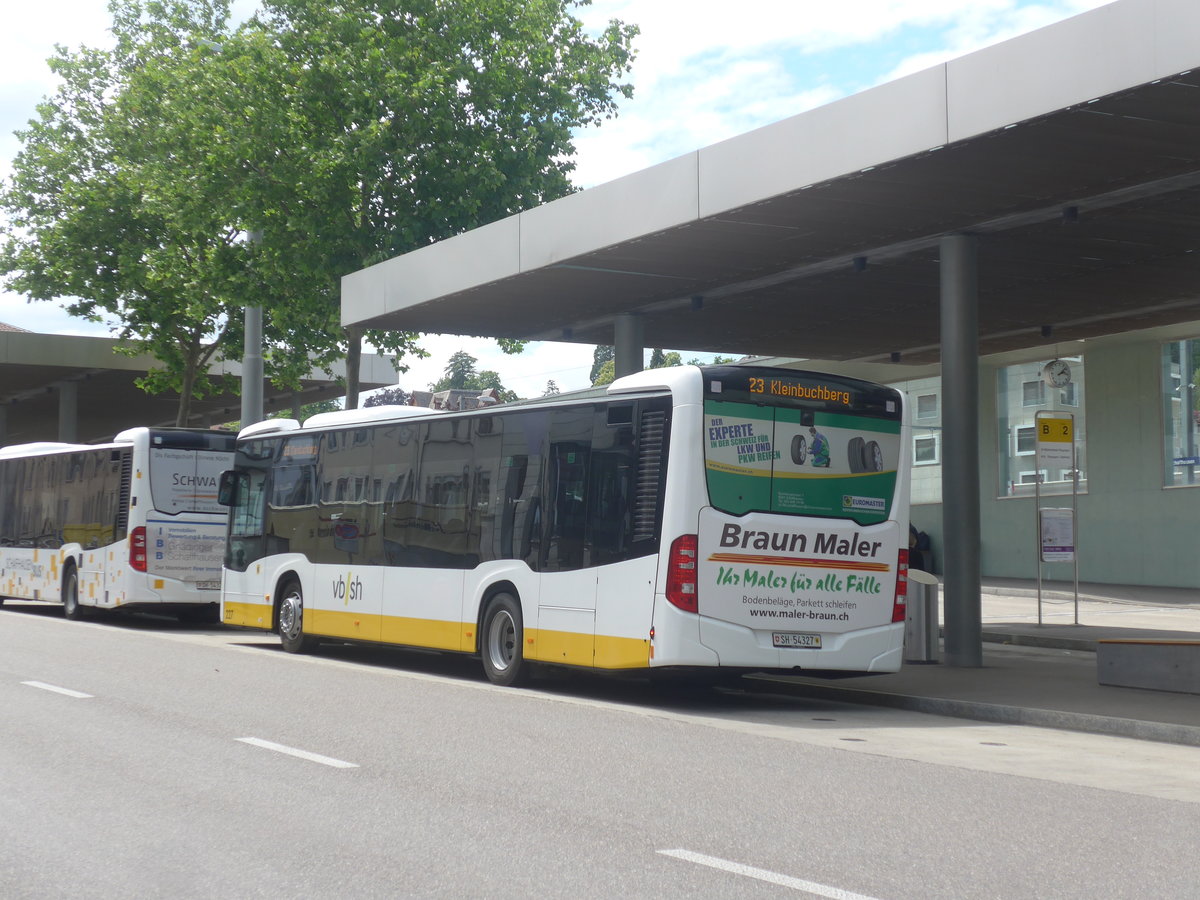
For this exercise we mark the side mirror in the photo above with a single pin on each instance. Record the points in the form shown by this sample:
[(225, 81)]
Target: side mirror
[(230, 487)]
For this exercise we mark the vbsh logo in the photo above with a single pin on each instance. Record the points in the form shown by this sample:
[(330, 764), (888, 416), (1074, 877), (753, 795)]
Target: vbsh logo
[(347, 588)]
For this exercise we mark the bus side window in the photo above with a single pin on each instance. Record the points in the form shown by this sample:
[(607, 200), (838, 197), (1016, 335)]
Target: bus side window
[(610, 489), (564, 546)]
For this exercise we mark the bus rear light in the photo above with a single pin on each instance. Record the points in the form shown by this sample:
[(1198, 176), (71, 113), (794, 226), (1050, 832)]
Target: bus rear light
[(900, 604), (681, 574), (137, 549)]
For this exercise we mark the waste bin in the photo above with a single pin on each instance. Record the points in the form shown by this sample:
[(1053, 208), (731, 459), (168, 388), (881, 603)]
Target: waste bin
[(921, 619)]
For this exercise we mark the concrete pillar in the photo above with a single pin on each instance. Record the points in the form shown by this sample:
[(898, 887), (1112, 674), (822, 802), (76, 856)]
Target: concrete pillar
[(296, 405), (630, 344), (960, 450), (68, 411), (252, 368)]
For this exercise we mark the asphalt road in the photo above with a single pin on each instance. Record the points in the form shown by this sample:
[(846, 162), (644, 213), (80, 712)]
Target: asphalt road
[(139, 758)]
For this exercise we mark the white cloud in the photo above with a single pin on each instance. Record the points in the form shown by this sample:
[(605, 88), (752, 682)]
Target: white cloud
[(705, 72)]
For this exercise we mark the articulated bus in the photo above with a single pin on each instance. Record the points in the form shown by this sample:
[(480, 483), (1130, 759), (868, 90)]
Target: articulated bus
[(685, 518), (131, 524)]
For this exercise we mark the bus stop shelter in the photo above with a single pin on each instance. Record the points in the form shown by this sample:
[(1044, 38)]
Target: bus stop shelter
[(1043, 190), (80, 390)]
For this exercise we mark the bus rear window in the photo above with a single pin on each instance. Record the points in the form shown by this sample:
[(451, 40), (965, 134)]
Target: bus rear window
[(806, 445), (186, 480)]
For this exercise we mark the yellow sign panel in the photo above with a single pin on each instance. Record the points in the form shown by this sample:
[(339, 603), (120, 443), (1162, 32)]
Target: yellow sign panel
[(1055, 431)]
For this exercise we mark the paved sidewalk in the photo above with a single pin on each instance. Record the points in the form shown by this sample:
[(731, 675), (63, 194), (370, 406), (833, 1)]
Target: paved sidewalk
[(1045, 674)]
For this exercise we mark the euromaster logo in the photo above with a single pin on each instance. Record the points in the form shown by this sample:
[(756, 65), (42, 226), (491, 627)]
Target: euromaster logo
[(874, 504)]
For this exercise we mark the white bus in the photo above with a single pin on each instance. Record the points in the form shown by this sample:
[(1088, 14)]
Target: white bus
[(126, 525), (744, 518)]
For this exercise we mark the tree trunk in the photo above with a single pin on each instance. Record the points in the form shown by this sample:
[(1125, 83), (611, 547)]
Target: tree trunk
[(186, 387)]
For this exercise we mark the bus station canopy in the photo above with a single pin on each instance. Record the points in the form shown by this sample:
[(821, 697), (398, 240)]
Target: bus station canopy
[(36, 368), (1072, 153)]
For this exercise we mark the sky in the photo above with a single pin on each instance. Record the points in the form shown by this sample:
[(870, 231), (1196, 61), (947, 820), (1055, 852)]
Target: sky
[(704, 72)]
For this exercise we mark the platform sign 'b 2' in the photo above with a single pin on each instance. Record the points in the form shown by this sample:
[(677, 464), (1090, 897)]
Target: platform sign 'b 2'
[(1055, 443)]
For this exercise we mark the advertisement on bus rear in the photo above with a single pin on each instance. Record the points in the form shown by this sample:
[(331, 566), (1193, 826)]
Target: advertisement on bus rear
[(805, 462), (184, 480), (796, 577), (190, 552)]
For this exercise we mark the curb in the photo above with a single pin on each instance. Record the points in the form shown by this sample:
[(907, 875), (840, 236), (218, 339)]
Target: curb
[(1113, 726), (1046, 642)]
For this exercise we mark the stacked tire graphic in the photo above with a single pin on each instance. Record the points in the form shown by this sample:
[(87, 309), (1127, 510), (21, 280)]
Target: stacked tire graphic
[(864, 456)]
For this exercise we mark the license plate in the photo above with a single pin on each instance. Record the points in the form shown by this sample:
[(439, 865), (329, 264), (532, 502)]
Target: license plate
[(208, 585), (795, 639)]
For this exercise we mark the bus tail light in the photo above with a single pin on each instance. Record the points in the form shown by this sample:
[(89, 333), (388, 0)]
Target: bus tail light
[(681, 573), (137, 549), (900, 604)]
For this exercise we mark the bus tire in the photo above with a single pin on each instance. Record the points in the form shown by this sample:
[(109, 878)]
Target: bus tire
[(501, 641), (291, 620), (70, 594)]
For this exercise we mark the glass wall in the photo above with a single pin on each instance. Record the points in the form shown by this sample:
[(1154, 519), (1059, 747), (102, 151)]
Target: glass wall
[(1181, 413), (1022, 392)]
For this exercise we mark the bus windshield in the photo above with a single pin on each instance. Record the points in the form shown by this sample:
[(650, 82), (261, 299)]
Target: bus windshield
[(804, 444)]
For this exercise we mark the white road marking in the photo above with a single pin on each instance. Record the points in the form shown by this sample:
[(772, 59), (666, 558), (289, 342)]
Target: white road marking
[(797, 884), (58, 690), (301, 754)]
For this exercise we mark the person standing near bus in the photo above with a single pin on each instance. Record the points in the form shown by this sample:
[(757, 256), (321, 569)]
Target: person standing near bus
[(819, 448)]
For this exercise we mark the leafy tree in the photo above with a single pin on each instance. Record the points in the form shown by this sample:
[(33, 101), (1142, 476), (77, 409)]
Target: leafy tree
[(395, 396), (95, 218), (602, 354), (606, 374), (461, 374), (407, 121), (345, 131), (551, 388)]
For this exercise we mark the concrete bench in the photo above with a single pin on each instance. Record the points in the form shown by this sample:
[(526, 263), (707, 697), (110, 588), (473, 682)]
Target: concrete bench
[(1153, 665)]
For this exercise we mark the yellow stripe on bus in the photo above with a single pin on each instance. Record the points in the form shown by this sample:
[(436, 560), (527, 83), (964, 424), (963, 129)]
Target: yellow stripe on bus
[(250, 615), (433, 633), (564, 647), (572, 649)]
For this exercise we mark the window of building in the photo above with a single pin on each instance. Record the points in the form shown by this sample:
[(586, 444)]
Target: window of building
[(1024, 440), (1033, 393), (927, 406), (925, 450), (1181, 412), (1021, 394)]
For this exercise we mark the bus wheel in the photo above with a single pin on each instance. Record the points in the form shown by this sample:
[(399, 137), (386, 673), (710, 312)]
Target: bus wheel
[(500, 641), (291, 620), (70, 595)]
